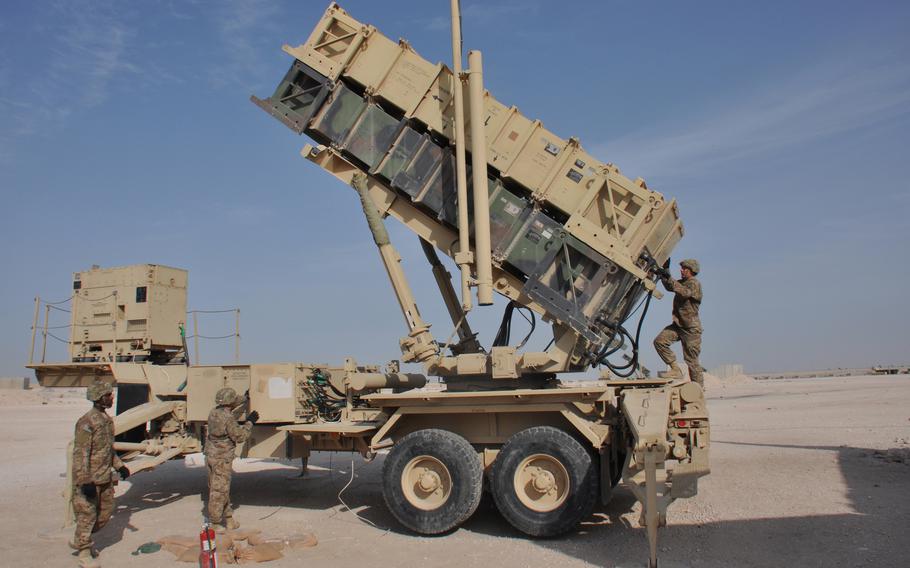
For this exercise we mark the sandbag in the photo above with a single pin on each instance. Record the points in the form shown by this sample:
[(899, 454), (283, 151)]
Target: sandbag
[(224, 549), (174, 549), (260, 553), (231, 550), (301, 540), (226, 556), (277, 542), (224, 541), (243, 534), (189, 555)]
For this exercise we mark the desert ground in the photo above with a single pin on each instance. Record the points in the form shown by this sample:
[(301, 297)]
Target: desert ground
[(805, 472)]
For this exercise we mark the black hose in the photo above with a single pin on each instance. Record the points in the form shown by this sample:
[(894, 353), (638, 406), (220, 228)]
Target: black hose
[(504, 334), (531, 320), (627, 370)]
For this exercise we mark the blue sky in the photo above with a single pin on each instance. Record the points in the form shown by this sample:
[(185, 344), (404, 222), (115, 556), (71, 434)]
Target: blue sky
[(126, 136)]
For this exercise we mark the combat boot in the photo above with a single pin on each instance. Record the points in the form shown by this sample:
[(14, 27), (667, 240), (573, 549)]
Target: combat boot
[(673, 373), (86, 560), (231, 524)]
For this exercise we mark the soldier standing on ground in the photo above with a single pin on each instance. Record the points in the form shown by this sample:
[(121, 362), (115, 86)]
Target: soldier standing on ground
[(94, 460), (686, 327), (224, 433)]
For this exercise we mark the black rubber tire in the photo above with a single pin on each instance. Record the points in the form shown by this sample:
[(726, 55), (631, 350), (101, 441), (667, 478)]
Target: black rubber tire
[(464, 466), (579, 465)]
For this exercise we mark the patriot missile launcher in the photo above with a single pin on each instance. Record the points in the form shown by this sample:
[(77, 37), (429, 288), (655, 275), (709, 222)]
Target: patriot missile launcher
[(546, 225)]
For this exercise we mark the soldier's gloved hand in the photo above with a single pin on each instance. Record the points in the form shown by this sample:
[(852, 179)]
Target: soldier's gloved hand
[(253, 417), (89, 490), (123, 471)]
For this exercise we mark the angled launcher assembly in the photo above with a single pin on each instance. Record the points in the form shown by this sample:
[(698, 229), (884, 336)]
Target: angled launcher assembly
[(568, 234)]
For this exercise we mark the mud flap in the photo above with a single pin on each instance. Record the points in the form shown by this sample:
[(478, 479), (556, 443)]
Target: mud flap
[(606, 481)]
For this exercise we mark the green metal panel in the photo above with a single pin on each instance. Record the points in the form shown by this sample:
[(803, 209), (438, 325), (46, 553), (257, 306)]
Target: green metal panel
[(449, 211), (372, 136), (297, 98), (538, 236), (421, 169), (402, 153), (441, 186), (508, 213), (338, 116)]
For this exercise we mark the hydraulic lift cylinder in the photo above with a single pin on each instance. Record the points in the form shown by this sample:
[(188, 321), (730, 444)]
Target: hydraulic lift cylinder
[(419, 344), (362, 382)]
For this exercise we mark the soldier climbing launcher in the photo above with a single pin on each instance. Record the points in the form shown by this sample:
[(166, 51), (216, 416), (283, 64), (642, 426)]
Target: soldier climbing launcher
[(568, 237)]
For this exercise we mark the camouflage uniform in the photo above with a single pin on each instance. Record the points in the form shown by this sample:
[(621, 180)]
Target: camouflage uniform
[(686, 326), (224, 433), (93, 461)]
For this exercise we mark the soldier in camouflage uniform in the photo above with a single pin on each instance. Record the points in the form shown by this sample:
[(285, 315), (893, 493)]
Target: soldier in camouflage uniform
[(686, 327), (94, 460), (224, 433)]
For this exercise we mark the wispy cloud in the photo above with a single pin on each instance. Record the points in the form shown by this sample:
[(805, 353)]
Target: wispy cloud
[(92, 47), (247, 30), (825, 101), (87, 45)]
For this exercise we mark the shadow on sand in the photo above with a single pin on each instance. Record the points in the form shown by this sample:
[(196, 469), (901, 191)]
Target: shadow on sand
[(878, 490)]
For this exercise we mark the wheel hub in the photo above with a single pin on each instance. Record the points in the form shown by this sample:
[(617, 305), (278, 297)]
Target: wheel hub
[(429, 481), (426, 482), (542, 482)]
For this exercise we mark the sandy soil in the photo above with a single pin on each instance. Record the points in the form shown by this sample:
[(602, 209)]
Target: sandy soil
[(810, 472)]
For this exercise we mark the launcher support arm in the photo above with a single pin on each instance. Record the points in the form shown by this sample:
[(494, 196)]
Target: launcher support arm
[(418, 345)]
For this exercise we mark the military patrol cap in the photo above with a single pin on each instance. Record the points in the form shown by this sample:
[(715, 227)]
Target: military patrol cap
[(226, 396), (97, 390), (691, 264)]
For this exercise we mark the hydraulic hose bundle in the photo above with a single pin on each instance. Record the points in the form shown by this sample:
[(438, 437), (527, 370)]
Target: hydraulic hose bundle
[(326, 401), (504, 334), (628, 369)]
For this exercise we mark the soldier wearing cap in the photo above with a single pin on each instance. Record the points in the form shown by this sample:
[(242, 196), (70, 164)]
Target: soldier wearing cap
[(686, 327), (224, 433), (94, 462)]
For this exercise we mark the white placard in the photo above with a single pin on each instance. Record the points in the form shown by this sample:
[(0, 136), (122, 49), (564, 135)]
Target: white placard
[(280, 387)]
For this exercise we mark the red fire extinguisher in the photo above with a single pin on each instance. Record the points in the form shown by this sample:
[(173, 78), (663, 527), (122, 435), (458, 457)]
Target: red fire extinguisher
[(207, 557)]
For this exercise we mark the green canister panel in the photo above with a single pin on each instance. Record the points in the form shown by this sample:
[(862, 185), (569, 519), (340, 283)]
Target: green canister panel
[(539, 234), (297, 98), (441, 186), (372, 136), (449, 212), (420, 169), (508, 213), (402, 153), (338, 116)]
